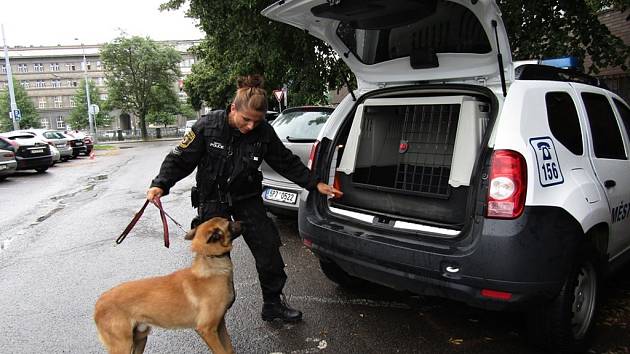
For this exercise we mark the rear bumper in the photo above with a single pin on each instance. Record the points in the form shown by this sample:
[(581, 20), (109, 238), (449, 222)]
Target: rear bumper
[(7, 167), (528, 257), (29, 163)]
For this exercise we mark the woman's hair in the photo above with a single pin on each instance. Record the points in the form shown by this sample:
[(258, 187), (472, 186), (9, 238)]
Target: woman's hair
[(250, 93)]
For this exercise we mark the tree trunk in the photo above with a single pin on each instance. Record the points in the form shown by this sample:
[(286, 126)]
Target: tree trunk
[(143, 127)]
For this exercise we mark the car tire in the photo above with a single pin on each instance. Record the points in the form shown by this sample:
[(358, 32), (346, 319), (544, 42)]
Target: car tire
[(41, 169), (333, 272), (565, 324)]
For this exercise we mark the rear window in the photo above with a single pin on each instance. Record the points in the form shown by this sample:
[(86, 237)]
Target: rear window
[(625, 115), (607, 141), (563, 121), (449, 28), (300, 125)]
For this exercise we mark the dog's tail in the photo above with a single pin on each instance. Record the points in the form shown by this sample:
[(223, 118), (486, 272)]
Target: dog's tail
[(140, 336)]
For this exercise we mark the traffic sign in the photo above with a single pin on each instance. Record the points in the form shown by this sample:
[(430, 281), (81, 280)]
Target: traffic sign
[(17, 114), (94, 109), (279, 94)]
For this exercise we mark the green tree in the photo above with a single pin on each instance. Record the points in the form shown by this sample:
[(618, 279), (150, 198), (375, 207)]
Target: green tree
[(30, 116), (138, 69), (166, 106), (549, 28), (78, 118), (240, 41)]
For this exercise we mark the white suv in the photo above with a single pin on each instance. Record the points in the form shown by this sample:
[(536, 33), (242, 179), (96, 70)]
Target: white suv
[(465, 177)]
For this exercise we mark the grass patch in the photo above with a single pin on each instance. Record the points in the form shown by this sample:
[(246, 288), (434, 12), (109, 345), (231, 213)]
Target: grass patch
[(104, 147)]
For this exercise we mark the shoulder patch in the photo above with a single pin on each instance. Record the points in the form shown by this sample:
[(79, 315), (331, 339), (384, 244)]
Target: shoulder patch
[(188, 138)]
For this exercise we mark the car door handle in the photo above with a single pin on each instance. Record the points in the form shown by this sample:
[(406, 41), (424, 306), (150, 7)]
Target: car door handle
[(610, 183)]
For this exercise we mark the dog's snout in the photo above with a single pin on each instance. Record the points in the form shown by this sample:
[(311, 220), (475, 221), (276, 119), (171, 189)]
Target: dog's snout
[(236, 228)]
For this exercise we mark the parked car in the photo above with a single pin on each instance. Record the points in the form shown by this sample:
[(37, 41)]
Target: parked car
[(53, 138), (78, 145), (298, 128), (30, 152), (8, 164), (464, 177), (87, 141), (271, 115)]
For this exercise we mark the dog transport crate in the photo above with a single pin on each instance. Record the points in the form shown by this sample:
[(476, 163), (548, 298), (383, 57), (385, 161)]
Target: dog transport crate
[(402, 152)]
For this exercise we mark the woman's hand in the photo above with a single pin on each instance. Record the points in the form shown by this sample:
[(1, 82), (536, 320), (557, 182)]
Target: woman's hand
[(154, 192), (328, 190)]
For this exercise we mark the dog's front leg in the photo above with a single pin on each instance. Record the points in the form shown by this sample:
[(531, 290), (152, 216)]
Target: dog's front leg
[(225, 337), (210, 334)]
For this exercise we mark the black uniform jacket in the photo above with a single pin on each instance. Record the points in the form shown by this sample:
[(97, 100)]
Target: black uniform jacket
[(228, 160)]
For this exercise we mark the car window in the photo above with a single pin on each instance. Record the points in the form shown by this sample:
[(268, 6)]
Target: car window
[(607, 141), (447, 28), (625, 115), (59, 135), (5, 146), (563, 121), (300, 124), (50, 135)]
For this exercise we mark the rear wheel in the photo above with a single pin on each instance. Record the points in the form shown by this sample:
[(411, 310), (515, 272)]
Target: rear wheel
[(333, 272), (565, 324)]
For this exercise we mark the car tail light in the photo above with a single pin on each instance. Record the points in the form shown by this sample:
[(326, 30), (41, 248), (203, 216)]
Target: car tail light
[(311, 158), (495, 294), (508, 185), (8, 154)]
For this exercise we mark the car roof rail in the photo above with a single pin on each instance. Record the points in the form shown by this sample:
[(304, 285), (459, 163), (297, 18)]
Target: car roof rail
[(551, 73)]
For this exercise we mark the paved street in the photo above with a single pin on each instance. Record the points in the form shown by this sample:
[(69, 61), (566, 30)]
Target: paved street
[(57, 256)]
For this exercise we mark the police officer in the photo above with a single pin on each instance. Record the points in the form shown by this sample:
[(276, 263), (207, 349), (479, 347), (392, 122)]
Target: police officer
[(227, 147)]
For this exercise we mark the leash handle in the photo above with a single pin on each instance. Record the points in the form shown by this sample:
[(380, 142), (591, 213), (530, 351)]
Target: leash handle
[(133, 222), (158, 204)]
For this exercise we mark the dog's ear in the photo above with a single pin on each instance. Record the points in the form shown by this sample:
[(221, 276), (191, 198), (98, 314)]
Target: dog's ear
[(235, 228), (216, 236), (190, 234)]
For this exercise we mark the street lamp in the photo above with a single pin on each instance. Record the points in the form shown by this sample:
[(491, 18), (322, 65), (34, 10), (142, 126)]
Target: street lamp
[(87, 94)]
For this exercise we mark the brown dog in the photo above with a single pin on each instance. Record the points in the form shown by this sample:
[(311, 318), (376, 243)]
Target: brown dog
[(196, 297)]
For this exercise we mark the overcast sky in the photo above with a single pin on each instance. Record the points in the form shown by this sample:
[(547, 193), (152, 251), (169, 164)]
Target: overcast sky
[(37, 22)]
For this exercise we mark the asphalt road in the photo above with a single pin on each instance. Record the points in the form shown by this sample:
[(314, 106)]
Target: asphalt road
[(57, 255)]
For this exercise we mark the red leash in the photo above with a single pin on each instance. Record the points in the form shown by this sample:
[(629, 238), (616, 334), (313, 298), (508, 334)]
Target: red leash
[(136, 217)]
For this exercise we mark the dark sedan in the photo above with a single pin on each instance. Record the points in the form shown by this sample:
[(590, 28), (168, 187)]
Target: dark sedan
[(30, 152)]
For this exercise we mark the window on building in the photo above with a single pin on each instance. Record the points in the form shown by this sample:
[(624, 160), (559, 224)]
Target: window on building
[(42, 102), (99, 66), (40, 83), (563, 121), (99, 81), (607, 141), (60, 123), (25, 84), (54, 66), (38, 67), (44, 123), (103, 97), (71, 67), (56, 83), (58, 102), (22, 68), (73, 103), (3, 69)]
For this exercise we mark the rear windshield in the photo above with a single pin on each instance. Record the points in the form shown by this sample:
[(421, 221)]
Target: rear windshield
[(300, 125), (450, 28)]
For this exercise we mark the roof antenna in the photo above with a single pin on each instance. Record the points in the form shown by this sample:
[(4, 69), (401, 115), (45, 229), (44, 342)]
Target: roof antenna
[(500, 58)]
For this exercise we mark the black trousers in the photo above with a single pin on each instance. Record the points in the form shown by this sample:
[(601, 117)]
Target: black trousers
[(262, 238)]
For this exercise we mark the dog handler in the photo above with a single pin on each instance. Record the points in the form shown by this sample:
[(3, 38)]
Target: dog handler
[(227, 147)]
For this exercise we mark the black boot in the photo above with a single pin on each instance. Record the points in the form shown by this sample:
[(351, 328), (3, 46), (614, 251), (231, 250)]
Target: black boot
[(279, 309)]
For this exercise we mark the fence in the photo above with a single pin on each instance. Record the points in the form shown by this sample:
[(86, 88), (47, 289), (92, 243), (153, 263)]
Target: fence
[(134, 134)]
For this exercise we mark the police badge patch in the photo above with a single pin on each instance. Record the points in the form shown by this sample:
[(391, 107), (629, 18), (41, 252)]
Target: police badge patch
[(188, 138)]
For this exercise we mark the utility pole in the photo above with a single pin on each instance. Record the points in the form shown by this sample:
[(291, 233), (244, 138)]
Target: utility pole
[(87, 96), (14, 112)]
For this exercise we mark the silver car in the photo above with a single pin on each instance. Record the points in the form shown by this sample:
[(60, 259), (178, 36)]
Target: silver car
[(8, 164), (298, 128), (54, 138)]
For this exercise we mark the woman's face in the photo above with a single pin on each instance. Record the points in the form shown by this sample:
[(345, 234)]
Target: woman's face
[(245, 120)]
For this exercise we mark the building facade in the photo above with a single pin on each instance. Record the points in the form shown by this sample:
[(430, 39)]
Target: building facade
[(51, 76)]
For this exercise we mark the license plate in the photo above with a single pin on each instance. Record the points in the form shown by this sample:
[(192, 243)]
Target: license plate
[(38, 151), (61, 145), (280, 196)]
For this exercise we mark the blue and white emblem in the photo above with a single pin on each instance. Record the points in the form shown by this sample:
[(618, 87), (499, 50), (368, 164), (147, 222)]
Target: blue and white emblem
[(549, 171)]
